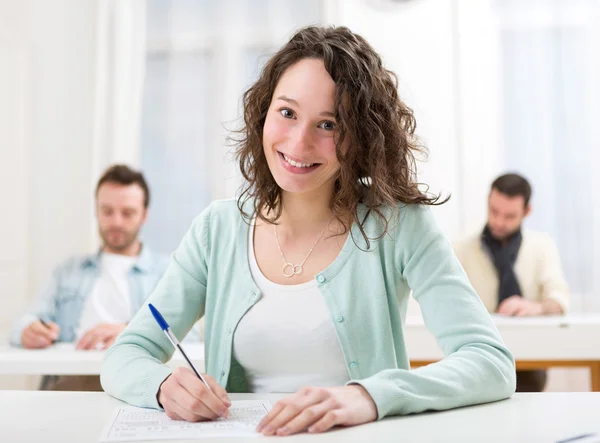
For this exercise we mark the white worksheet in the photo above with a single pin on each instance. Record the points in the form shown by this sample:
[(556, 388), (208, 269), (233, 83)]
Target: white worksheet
[(129, 423)]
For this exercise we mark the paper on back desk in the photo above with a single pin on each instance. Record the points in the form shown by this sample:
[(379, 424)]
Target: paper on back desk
[(128, 423)]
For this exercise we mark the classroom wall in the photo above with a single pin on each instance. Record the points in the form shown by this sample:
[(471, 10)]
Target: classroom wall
[(14, 155), (46, 85), (61, 132)]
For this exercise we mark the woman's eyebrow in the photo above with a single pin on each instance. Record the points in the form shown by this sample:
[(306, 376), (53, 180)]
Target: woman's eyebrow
[(291, 101)]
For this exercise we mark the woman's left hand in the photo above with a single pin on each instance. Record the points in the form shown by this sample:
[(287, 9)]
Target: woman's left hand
[(318, 410)]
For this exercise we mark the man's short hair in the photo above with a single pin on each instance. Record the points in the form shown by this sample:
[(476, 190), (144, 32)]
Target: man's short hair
[(513, 185), (124, 175)]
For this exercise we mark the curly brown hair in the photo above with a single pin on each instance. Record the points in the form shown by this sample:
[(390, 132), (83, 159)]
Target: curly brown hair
[(378, 166)]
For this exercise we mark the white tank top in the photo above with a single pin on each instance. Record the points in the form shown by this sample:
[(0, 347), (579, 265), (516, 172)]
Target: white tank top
[(287, 340)]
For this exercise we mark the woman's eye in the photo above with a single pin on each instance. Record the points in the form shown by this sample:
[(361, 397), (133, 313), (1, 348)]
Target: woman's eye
[(327, 125), (287, 113)]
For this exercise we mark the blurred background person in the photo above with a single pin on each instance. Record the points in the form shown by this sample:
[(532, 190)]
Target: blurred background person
[(92, 298), (515, 271)]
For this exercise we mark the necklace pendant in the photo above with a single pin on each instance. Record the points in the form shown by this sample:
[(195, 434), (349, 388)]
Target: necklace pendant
[(289, 270)]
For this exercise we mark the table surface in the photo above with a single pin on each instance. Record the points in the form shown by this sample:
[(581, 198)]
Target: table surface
[(80, 417), (503, 321), (548, 338), (567, 338), (63, 359)]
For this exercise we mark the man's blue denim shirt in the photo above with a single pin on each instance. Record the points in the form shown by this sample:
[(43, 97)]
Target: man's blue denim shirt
[(72, 282)]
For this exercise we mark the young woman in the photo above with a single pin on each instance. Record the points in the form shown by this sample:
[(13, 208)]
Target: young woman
[(304, 280)]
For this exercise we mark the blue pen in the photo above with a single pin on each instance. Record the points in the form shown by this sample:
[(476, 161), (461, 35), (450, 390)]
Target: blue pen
[(47, 326), (165, 327)]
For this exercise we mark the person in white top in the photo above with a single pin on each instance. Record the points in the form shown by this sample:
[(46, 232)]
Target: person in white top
[(109, 303), (91, 299), (516, 272)]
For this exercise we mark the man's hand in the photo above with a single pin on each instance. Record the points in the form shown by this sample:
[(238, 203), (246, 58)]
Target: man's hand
[(318, 410), (520, 307), (101, 336), (38, 336)]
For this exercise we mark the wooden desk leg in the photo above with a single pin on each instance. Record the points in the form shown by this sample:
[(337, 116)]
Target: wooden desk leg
[(595, 373)]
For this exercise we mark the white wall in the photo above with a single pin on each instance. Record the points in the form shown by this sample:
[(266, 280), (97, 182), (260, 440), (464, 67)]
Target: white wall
[(479, 123), (46, 183), (14, 156), (62, 62)]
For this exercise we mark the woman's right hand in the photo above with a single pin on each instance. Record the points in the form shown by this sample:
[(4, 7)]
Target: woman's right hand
[(184, 397)]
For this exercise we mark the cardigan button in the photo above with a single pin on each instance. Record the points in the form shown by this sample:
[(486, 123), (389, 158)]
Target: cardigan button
[(339, 318), (354, 365), (320, 278)]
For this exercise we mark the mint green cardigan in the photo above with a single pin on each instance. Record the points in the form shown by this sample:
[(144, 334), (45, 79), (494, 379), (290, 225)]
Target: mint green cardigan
[(366, 292)]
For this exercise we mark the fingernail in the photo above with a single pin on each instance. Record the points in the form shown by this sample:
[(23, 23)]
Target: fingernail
[(224, 413), (312, 429), (268, 430), (226, 401), (282, 431)]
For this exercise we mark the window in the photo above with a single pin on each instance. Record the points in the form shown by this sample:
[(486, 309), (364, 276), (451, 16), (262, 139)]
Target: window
[(201, 56), (530, 87)]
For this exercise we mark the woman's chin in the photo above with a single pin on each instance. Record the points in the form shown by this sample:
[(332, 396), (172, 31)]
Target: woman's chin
[(299, 184), (294, 187)]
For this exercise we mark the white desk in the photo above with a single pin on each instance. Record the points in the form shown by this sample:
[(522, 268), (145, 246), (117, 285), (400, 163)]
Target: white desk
[(33, 417), (536, 343), (63, 359)]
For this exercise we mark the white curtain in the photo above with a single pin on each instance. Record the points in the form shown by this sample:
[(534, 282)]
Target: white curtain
[(530, 74), (120, 67), (201, 56)]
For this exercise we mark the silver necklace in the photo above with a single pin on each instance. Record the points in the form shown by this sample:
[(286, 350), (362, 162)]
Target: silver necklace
[(290, 269)]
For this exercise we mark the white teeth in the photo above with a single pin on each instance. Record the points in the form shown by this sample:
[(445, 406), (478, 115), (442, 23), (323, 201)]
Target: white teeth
[(296, 164)]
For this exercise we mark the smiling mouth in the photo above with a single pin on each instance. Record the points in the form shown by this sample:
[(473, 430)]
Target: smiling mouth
[(295, 163)]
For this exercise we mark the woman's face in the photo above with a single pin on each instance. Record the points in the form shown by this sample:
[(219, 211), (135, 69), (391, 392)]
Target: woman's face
[(298, 135)]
